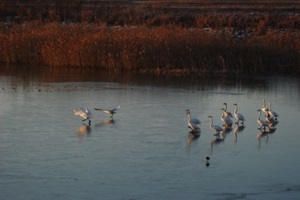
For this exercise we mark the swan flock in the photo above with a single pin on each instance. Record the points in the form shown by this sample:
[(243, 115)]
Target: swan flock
[(268, 122)]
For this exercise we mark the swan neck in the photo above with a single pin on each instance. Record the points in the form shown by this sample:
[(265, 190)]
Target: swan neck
[(236, 108), (189, 116), (259, 113), (264, 103)]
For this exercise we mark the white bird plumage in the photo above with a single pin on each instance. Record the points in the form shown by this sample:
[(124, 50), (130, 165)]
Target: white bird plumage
[(226, 119), (272, 122), (85, 113), (215, 127), (238, 116), (192, 122), (272, 113), (192, 119), (226, 113), (264, 108), (109, 112), (263, 124)]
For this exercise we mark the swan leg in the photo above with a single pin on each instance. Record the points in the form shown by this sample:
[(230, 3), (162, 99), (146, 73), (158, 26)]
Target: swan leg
[(217, 135)]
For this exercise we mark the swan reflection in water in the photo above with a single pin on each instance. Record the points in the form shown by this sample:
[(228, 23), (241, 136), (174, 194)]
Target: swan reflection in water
[(83, 131), (192, 136), (218, 140), (227, 130), (264, 133), (236, 130), (105, 122)]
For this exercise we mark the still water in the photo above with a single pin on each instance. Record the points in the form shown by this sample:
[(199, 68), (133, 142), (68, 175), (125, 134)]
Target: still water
[(146, 152)]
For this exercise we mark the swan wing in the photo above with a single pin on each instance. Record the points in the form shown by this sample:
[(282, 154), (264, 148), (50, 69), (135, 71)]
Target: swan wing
[(80, 112), (195, 120), (218, 128)]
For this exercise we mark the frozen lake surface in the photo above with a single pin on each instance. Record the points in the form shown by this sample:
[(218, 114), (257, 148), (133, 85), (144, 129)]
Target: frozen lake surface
[(146, 152)]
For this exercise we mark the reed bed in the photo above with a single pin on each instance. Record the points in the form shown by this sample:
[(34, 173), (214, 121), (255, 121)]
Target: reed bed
[(157, 50), (184, 37)]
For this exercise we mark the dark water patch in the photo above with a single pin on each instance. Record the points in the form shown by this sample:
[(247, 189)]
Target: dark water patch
[(285, 188), (288, 191), (232, 196), (29, 76)]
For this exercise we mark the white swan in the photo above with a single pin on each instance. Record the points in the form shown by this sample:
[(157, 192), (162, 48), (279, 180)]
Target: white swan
[(227, 114), (238, 116), (272, 113), (192, 119), (263, 124), (226, 119), (109, 112), (193, 126), (85, 113), (272, 122), (214, 127)]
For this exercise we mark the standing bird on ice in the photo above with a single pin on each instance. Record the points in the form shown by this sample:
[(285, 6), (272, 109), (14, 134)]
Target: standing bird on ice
[(226, 119), (272, 113), (272, 122), (85, 113), (226, 113), (263, 124), (109, 112), (238, 116), (192, 122), (214, 127), (192, 119)]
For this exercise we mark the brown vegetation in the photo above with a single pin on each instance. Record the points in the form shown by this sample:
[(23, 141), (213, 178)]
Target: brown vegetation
[(176, 38)]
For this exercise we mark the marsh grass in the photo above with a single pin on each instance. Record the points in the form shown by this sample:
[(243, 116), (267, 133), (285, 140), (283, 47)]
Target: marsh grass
[(154, 38)]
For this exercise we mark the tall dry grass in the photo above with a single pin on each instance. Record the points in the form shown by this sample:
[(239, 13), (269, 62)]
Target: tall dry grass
[(184, 37), (163, 49)]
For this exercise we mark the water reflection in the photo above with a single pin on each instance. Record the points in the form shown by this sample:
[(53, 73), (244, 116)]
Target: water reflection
[(218, 140), (105, 122), (32, 75), (192, 136), (264, 134), (237, 130), (227, 130), (83, 131)]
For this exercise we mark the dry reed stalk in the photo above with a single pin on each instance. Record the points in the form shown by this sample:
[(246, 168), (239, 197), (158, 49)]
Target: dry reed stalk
[(160, 50)]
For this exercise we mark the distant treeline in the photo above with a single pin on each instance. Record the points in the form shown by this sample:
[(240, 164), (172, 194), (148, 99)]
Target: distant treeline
[(137, 38)]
